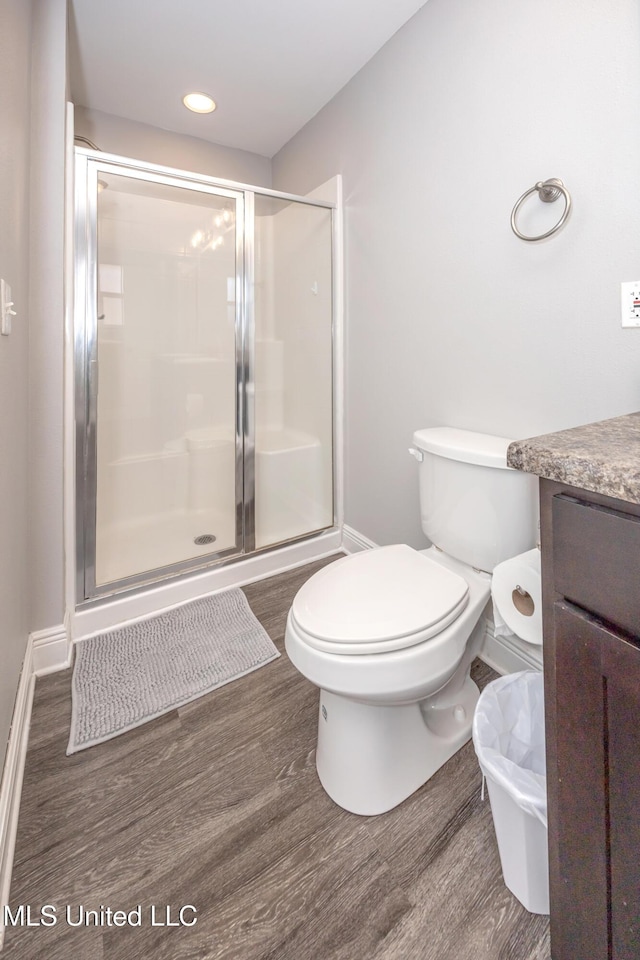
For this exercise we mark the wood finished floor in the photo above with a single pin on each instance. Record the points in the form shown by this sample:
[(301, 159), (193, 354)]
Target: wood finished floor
[(218, 805)]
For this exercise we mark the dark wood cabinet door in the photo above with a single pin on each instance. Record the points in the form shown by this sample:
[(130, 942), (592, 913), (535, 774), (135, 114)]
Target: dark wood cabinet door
[(596, 915)]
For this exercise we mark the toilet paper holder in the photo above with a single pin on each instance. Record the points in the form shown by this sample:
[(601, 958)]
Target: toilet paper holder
[(523, 601)]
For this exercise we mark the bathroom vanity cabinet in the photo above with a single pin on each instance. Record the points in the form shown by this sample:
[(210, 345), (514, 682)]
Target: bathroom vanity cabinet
[(590, 538), (591, 615)]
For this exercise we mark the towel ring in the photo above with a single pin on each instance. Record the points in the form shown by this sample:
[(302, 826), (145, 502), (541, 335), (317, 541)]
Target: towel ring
[(548, 191)]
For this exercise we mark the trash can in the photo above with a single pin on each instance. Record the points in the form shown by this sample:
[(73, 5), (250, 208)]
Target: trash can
[(508, 736)]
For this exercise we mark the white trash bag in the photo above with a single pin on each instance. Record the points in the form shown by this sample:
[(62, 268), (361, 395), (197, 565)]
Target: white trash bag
[(508, 736)]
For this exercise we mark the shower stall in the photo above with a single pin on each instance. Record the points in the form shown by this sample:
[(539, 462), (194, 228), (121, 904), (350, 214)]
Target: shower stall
[(203, 384)]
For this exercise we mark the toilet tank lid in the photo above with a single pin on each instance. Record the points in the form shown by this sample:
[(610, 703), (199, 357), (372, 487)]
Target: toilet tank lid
[(464, 445)]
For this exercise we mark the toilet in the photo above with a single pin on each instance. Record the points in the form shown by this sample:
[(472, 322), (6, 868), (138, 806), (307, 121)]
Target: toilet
[(389, 634)]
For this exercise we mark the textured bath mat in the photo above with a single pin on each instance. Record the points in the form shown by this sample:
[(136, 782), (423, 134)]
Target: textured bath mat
[(123, 678)]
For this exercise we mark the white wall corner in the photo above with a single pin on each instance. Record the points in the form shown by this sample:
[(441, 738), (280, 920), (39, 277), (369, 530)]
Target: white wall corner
[(51, 650), (509, 654), (11, 783), (354, 542), (332, 190)]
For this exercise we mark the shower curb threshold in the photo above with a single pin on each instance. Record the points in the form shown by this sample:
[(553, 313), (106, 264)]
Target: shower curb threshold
[(129, 608)]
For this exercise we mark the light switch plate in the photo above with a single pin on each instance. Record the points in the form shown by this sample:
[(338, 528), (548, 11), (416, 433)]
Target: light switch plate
[(630, 303), (6, 311)]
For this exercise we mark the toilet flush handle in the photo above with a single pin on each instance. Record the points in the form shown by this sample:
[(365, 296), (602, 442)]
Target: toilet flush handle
[(418, 454)]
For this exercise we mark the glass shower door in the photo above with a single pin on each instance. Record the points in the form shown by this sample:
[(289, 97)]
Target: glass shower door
[(163, 375), (293, 300)]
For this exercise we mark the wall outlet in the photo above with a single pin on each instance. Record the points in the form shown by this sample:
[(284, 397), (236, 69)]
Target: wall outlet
[(630, 303)]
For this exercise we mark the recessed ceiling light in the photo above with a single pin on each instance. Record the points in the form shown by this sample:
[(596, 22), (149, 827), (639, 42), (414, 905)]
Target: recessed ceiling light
[(199, 103)]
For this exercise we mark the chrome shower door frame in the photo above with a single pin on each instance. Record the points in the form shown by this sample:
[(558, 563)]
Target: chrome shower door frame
[(88, 164), (87, 170)]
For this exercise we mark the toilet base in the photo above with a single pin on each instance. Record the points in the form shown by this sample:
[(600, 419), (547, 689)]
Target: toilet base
[(370, 757)]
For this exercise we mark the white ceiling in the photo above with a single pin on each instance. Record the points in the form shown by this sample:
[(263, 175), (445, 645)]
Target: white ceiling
[(269, 64)]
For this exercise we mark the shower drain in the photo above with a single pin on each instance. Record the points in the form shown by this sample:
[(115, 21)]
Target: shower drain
[(204, 538)]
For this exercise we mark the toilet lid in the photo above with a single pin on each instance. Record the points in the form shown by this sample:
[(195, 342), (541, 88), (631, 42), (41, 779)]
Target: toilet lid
[(380, 595)]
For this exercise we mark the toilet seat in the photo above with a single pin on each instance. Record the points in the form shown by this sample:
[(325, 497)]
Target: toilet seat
[(381, 600)]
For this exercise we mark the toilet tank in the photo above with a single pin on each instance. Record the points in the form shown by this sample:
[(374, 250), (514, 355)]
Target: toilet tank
[(473, 506)]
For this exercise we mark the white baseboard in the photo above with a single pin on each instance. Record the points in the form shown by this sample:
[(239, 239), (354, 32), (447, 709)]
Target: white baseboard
[(122, 610), (11, 784), (509, 654), (51, 650), (354, 542)]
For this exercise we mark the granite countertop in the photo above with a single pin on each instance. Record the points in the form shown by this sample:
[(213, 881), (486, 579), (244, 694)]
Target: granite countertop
[(603, 457)]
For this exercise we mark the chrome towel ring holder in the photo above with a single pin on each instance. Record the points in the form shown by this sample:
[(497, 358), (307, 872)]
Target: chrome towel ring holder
[(548, 191)]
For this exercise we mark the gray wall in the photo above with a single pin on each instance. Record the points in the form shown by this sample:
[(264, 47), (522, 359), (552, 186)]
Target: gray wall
[(15, 44), (46, 307), (450, 318), (143, 142)]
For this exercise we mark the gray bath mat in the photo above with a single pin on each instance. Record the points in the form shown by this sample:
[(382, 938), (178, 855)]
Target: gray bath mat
[(123, 678)]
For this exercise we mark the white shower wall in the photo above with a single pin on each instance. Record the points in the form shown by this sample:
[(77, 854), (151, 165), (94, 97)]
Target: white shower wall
[(166, 406), (293, 382)]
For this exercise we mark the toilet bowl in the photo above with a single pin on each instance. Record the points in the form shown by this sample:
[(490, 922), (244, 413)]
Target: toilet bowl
[(388, 718), (388, 635)]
